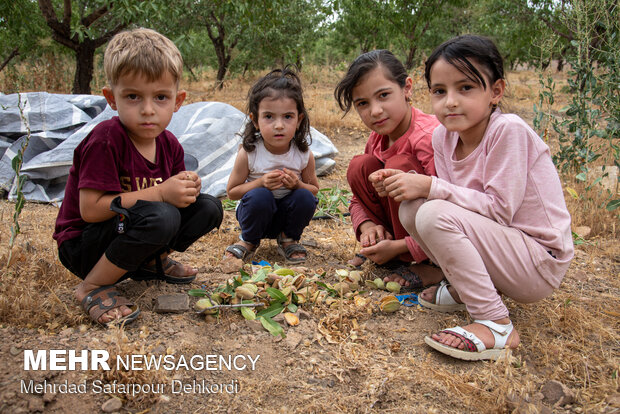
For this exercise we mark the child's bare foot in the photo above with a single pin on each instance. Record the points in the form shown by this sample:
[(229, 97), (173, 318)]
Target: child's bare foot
[(430, 294), (357, 261), (416, 275), (108, 296)]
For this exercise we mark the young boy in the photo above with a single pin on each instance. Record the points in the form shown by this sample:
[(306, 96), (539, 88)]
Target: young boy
[(128, 200)]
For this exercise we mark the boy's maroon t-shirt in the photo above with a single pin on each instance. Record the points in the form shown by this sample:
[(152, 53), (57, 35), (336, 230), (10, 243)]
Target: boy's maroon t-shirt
[(107, 160)]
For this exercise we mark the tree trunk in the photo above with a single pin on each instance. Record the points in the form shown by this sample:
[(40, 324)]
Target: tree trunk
[(410, 57), (14, 53), (84, 59), (221, 72)]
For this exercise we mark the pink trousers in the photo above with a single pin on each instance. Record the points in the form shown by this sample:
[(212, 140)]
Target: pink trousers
[(479, 257)]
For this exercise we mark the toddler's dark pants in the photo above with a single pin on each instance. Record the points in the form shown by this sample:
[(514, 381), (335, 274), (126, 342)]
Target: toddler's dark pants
[(151, 228), (261, 215)]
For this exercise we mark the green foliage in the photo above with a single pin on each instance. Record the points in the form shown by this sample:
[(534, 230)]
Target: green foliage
[(332, 202), (21, 29), (229, 205), (16, 164), (588, 127)]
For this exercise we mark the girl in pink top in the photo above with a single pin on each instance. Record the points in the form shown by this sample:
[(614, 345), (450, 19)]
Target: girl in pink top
[(494, 218), (379, 88)]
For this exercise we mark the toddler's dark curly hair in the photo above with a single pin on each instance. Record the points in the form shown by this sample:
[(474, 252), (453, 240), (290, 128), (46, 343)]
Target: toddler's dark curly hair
[(277, 83)]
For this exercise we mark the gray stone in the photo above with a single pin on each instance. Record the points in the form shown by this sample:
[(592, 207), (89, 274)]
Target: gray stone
[(614, 400), (293, 339), (583, 231), (159, 350), (36, 404), (112, 405), (256, 326), (173, 303), (48, 397), (231, 265), (303, 314), (557, 393)]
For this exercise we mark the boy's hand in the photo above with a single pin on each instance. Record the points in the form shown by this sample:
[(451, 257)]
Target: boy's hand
[(179, 190), (378, 177), (272, 180), (195, 178), (289, 179)]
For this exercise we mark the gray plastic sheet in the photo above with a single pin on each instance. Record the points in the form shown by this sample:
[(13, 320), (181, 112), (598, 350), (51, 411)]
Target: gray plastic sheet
[(208, 132)]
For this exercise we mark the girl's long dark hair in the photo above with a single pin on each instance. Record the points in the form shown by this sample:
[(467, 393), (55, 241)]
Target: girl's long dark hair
[(275, 84), (364, 63), (460, 50)]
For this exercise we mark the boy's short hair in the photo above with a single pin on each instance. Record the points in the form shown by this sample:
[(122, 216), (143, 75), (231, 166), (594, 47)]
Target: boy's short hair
[(142, 51)]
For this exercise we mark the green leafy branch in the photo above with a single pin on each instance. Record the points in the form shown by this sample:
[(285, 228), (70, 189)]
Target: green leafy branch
[(332, 202), (16, 164)]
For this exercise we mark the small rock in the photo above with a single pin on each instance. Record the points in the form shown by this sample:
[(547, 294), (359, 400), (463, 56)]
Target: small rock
[(65, 332), (279, 318), (303, 314), (231, 265), (113, 404), (159, 350), (293, 339), (557, 393), (614, 400), (173, 303), (256, 326), (36, 405), (581, 276), (48, 397), (15, 351), (583, 231)]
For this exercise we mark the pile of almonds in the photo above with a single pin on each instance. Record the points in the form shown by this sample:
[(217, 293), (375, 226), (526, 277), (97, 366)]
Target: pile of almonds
[(267, 291)]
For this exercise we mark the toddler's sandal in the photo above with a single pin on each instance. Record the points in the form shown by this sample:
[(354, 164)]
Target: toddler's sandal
[(240, 252), (475, 350), (444, 302), (288, 251)]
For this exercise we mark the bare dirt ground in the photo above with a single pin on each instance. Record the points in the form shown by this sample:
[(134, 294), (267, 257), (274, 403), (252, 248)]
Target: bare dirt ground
[(342, 359)]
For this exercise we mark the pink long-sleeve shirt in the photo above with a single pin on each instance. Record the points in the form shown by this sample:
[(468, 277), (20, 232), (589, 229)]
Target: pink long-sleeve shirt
[(509, 178), (416, 143)]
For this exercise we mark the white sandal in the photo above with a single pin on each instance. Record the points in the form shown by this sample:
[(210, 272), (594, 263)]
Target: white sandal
[(475, 350), (444, 302)]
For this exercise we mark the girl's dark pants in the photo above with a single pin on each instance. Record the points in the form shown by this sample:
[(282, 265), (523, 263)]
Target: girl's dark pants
[(150, 229), (260, 215)]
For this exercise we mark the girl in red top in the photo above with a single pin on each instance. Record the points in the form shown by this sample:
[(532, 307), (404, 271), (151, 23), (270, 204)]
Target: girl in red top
[(379, 88)]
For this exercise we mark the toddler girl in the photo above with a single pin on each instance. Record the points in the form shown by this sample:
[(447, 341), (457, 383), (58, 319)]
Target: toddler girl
[(494, 218), (274, 172)]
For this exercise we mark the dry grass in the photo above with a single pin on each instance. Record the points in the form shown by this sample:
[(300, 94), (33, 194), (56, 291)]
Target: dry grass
[(351, 359)]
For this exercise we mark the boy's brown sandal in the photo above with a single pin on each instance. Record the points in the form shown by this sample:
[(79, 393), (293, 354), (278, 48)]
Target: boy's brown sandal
[(93, 305)]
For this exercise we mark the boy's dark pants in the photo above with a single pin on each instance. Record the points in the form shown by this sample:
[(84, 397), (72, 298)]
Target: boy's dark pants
[(260, 215), (151, 228)]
